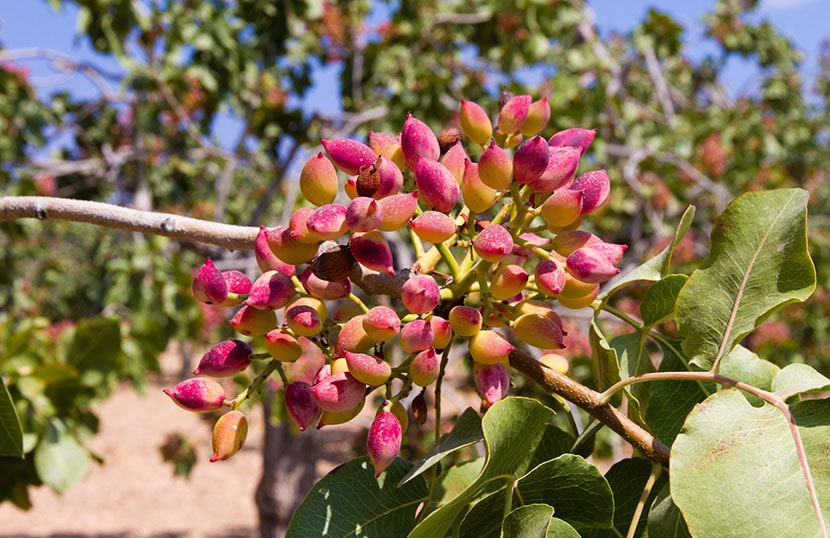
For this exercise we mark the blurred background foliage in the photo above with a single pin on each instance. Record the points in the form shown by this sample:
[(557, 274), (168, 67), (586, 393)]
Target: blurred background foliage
[(83, 308)]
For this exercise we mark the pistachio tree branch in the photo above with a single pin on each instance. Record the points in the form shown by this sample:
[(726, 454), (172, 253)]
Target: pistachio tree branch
[(123, 218), (242, 237)]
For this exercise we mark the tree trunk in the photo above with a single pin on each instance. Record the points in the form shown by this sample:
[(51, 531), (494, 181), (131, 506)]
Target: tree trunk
[(288, 472)]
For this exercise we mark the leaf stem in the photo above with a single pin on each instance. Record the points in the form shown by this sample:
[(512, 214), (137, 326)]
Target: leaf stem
[(656, 470)]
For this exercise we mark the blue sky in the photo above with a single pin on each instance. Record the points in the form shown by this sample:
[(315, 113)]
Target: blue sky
[(33, 23)]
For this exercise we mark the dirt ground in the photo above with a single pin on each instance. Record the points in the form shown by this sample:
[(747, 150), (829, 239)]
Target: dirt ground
[(134, 494)]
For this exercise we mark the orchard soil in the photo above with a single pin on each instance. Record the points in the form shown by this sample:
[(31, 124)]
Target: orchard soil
[(135, 494)]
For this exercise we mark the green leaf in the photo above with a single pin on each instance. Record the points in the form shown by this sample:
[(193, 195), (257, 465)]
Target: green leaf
[(735, 467), (658, 266), (561, 529), (350, 501), (578, 492), (758, 262), (671, 401), (627, 479), (95, 345), (658, 304), (665, 519), (554, 442), (455, 480), (634, 360), (796, 379), (59, 459), (606, 365), (512, 429), (530, 521), (744, 365), (465, 432), (11, 431)]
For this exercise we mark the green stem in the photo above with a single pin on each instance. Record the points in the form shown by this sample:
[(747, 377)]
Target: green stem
[(448, 257), (257, 382), (445, 357), (656, 470), (356, 300), (417, 245)]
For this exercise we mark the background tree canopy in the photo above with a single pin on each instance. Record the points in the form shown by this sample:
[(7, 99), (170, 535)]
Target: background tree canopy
[(669, 132)]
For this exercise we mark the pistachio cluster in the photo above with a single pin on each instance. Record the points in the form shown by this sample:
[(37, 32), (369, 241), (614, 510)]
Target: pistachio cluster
[(493, 216)]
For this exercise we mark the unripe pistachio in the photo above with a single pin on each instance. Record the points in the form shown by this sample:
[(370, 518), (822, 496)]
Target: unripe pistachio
[(420, 294), (344, 311), (384, 441), (253, 321), (338, 393), (339, 366), (388, 147), (475, 123), (310, 362), (209, 286), (226, 358), (566, 242), (229, 435), (368, 369), (300, 404), (477, 196), (562, 164), (514, 113), (441, 332), (542, 308), (495, 167), (562, 208), (539, 331), (353, 337), (265, 257), (371, 250), (538, 115), (197, 394), (423, 370), (285, 245), (350, 187), (327, 290), (418, 140), (433, 226), (590, 265), (612, 251), (550, 277), (391, 178), (531, 159), (555, 362), (282, 346), (416, 336), (364, 214), (328, 222), (493, 243), (238, 284), (509, 280), (331, 419), (399, 411), (492, 381), (574, 138), (437, 187), (489, 347), (305, 316), (349, 155), (381, 323), (298, 224), (465, 321), (270, 291), (575, 303), (595, 186), (333, 265), (398, 209), (453, 160), (575, 288), (318, 180)]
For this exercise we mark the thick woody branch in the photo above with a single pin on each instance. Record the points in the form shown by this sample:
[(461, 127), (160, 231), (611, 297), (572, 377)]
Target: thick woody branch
[(242, 237), (123, 218), (590, 401)]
